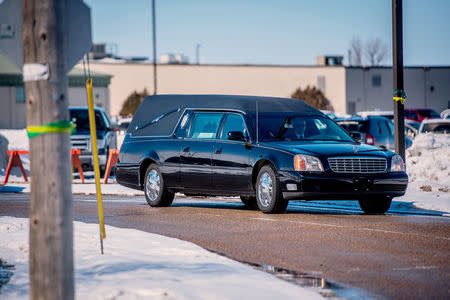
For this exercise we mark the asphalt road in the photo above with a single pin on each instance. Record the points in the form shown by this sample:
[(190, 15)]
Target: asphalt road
[(394, 256)]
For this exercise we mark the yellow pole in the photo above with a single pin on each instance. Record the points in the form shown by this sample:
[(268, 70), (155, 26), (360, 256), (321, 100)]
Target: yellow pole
[(95, 155)]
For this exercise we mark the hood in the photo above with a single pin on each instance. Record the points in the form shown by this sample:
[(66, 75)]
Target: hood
[(325, 148)]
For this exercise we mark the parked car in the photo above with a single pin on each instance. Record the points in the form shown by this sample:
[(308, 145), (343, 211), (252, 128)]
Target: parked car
[(123, 125), (266, 150), (375, 130), (411, 126), (81, 138), (436, 126), (445, 114), (421, 114)]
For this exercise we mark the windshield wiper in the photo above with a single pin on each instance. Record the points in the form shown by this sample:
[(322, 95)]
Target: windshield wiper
[(158, 118)]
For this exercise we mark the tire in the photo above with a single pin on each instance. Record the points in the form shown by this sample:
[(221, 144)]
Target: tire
[(269, 197), (155, 191), (249, 202), (375, 205)]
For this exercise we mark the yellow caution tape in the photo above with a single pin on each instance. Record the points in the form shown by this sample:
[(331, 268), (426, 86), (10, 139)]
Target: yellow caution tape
[(54, 127), (402, 99)]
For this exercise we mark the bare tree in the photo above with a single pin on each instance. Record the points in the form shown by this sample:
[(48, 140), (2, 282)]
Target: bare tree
[(356, 49), (370, 53), (376, 52)]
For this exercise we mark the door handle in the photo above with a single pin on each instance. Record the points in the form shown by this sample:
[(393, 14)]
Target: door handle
[(187, 149), (219, 151)]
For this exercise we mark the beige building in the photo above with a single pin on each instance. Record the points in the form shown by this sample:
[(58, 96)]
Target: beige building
[(349, 89), (277, 81), (12, 93)]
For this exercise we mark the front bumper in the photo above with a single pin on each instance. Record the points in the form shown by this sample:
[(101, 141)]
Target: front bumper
[(329, 185)]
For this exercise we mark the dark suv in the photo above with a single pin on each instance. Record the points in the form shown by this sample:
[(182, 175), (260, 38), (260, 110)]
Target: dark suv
[(375, 130), (81, 138)]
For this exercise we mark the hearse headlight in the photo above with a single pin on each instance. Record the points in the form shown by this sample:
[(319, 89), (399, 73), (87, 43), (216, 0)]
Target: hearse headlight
[(397, 164), (307, 163)]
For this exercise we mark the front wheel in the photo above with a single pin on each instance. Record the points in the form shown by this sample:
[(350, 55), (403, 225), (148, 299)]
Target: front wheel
[(375, 205), (155, 191), (268, 191)]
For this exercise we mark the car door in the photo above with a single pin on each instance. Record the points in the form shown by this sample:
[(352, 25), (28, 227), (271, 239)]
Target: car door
[(231, 158), (196, 150)]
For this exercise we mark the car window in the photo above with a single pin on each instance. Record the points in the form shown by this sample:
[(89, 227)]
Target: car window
[(375, 128), (411, 115), (81, 119), (428, 113), (359, 126), (234, 122), (436, 127), (390, 125), (383, 127), (205, 125), (292, 127)]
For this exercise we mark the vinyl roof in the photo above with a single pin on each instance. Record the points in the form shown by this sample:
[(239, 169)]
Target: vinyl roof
[(154, 107)]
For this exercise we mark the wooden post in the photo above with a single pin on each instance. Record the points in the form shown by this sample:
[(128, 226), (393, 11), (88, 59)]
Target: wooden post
[(397, 72), (51, 212)]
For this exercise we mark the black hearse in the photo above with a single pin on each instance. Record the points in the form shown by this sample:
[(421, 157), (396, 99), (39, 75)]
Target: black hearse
[(265, 150)]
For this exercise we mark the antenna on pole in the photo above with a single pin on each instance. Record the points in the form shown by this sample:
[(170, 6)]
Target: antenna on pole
[(155, 89), (197, 53)]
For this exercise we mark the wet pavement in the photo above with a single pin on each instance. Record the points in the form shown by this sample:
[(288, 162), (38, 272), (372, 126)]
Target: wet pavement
[(404, 254)]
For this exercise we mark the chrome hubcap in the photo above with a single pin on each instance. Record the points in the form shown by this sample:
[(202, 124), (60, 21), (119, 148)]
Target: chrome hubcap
[(153, 185), (265, 190)]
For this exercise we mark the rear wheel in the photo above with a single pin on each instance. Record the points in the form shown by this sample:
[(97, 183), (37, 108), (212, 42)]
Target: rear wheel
[(269, 197), (249, 202), (375, 205), (155, 191)]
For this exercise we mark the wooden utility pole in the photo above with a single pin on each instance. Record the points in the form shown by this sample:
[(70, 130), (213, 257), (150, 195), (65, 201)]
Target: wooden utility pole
[(397, 70), (51, 212)]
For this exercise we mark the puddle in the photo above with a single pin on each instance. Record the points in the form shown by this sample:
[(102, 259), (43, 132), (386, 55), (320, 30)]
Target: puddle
[(5, 272), (319, 284), (316, 283)]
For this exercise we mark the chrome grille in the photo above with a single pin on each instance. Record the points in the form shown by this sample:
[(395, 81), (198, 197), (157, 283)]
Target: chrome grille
[(357, 164), (80, 143)]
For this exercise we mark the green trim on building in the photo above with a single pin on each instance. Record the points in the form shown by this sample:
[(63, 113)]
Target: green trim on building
[(10, 75)]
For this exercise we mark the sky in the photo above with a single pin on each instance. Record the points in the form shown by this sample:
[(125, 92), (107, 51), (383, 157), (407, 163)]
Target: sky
[(286, 32)]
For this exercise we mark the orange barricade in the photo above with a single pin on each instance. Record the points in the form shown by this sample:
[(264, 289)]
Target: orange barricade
[(113, 157), (15, 161), (76, 162)]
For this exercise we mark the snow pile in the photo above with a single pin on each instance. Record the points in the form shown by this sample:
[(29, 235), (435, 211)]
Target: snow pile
[(147, 266), (18, 139), (428, 160)]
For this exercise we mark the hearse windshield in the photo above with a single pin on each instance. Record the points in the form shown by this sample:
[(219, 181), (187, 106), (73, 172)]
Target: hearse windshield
[(273, 127)]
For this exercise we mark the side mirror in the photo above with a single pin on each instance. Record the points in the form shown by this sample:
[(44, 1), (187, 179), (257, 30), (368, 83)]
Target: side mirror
[(236, 136), (356, 136)]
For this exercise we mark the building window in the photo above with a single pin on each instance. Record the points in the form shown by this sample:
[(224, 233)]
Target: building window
[(20, 94), (376, 80)]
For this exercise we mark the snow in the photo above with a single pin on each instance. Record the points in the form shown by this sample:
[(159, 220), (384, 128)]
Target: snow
[(147, 266), (427, 160)]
